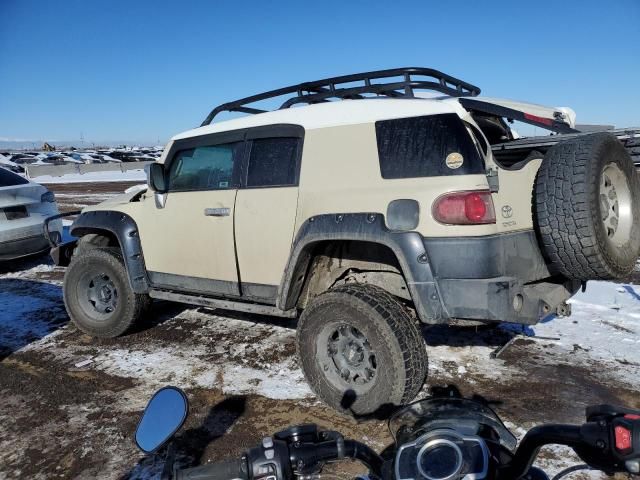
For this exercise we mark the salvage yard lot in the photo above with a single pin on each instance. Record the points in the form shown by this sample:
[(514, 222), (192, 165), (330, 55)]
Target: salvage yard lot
[(70, 403)]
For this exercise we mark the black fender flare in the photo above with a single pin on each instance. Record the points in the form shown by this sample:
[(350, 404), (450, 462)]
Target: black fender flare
[(125, 229), (408, 248)]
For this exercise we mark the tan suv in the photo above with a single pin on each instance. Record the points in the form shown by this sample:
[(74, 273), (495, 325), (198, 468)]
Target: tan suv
[(363, 207)]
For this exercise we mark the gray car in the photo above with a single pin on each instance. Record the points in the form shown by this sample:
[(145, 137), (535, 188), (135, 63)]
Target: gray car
[(24, 206)]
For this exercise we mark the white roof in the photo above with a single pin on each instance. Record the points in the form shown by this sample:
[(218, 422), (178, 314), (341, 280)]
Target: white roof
[(331, 114), (369, 110)]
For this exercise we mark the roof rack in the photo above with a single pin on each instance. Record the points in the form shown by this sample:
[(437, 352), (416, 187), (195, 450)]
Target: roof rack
[(321, 91)]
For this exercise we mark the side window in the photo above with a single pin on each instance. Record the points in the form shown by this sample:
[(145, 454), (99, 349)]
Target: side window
[(273, 162), (430, 146), (204, 168)]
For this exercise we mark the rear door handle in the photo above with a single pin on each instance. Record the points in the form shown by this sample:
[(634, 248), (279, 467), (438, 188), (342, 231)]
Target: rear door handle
[(217, 212)]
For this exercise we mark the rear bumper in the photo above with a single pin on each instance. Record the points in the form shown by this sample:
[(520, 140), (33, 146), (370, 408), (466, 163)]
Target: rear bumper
[(504, 299), (23, 247), (495, 278)]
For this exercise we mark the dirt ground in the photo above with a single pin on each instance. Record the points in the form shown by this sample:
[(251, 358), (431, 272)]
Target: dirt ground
[(240, 372)]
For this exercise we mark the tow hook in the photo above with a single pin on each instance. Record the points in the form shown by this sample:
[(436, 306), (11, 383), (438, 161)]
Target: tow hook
[(563, 310)]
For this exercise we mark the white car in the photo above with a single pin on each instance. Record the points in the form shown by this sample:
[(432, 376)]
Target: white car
[(24, 206)]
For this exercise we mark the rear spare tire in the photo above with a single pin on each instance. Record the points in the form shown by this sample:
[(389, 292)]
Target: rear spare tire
[(360, 350), (587, 208), (98, 296)]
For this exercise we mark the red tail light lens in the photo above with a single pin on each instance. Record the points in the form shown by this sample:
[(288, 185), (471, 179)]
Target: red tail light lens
[(464, 208), (623, 438)]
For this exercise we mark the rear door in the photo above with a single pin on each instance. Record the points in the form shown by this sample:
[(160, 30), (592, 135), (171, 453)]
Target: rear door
[(266, 208)]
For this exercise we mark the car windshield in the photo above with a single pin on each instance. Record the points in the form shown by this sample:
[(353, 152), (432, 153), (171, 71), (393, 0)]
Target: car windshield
[(435, 411), (9, 179)]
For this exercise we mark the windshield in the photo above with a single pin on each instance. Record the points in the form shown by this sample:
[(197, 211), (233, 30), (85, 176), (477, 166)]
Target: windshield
[(434, 412)]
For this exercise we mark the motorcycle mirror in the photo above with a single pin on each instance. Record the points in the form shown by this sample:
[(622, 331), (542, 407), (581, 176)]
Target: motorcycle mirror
[(164, 415)]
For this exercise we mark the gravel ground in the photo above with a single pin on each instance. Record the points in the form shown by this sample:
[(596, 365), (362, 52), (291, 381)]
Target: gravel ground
[(241, 375)]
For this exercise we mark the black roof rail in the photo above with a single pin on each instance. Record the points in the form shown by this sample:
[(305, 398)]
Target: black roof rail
[(321, 91)]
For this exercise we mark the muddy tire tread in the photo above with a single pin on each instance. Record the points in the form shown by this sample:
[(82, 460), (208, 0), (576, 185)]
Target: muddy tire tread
[(402, 326)]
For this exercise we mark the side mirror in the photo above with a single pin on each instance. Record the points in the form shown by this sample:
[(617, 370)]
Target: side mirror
[(166, 412), (155, 177)]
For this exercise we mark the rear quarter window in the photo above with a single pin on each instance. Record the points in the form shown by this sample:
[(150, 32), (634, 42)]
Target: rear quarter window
[(429, 146), (9, 179)]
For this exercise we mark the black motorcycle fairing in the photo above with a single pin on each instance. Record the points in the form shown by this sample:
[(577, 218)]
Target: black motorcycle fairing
[(469, 416)]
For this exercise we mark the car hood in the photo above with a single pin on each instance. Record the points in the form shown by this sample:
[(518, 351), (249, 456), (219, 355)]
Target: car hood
[(127, 196)]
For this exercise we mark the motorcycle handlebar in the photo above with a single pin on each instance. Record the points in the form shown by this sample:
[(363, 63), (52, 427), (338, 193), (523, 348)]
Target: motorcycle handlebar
[(303, 455), (229, 470), (316, 453), (366, 455), (591, 441), (536, 438)]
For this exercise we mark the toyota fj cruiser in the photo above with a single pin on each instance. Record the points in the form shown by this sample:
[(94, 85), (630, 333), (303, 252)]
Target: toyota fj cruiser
[(362, 207)]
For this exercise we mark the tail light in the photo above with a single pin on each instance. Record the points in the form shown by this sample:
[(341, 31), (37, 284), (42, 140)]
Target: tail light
[(464, 208), (48, 197)]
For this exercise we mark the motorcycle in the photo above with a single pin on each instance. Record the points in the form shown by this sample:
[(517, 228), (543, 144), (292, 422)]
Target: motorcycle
[(439, 438)]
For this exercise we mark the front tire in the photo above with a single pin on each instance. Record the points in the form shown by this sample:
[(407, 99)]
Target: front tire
[(360, 350), (98, 296)]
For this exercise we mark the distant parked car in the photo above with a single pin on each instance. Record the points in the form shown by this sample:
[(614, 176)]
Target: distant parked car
[(24, 206), (5, 162)]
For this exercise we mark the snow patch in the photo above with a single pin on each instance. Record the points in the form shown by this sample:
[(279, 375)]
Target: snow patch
[(117, 176), (604, 327), (25, 317)]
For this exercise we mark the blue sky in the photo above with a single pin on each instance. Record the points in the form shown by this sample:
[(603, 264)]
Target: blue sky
[(141, 71)]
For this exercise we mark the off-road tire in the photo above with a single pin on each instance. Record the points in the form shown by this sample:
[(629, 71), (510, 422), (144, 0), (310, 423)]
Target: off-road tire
[(393, 335), (130, 307), (568, 210)]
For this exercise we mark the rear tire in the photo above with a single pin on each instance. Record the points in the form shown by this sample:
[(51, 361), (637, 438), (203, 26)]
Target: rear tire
[(98, 296), (587, 208), (360, 350)]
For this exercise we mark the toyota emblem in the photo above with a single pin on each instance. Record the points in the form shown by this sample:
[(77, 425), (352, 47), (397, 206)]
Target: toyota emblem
[(507, 211)]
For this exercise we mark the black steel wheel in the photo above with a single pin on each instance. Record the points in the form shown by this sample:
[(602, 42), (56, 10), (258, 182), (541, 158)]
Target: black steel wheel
[(360, 350), (97, 293)]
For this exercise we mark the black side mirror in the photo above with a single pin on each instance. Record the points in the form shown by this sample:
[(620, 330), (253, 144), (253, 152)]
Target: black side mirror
[(155, 177), (166, 412)]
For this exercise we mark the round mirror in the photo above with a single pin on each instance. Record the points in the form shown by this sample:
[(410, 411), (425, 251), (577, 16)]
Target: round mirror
[(164, 415)]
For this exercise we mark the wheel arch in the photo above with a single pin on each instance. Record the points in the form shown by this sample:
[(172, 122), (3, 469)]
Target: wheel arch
[(119, 226), (337, 262), (369, 228)]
